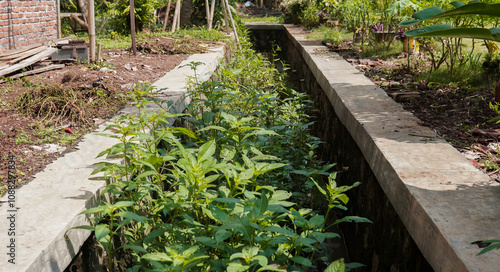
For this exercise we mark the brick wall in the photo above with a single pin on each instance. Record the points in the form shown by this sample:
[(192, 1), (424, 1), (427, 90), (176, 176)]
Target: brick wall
[(27, 22)]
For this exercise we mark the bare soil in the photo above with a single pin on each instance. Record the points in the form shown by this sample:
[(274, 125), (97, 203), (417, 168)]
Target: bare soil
[(75, 99), (459, 114)]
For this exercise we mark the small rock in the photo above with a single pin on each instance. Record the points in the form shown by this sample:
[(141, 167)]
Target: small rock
[(53, 148), (134, 68), (107, 70), (36, 147), (127, 66)]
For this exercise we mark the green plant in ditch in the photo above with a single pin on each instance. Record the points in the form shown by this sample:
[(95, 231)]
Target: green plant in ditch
[(219, 193)]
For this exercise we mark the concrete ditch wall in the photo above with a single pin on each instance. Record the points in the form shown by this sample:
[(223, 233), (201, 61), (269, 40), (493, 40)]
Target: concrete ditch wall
[(427, 202)]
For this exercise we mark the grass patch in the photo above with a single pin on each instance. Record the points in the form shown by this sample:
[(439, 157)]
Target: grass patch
[(328, 34), (265, 19), (381, 51)]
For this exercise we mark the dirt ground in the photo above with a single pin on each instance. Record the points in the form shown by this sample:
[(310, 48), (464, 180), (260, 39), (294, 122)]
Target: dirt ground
[(62, 105), (459, 114)]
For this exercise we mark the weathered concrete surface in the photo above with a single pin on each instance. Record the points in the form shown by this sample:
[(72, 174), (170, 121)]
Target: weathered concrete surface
[(444, 203), (49, 206)]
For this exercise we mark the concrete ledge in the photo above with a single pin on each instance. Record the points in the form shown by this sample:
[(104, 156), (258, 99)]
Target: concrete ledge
[(442, 199), (47, 207)]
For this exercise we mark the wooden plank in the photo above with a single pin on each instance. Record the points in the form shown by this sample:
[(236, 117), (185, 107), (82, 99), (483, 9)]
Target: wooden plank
[(91, 30), (19, 50), (64, 15), (37, 71), (20, 56), (63, 40), (28, 61)]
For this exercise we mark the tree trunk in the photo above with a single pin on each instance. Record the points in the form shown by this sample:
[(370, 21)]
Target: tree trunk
[(186, 12), (82, 8)]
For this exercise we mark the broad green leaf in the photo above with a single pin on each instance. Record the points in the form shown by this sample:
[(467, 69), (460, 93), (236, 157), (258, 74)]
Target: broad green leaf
[(133, 216), (135, 248), (457, 4), (495, 245), (190, 251), (237, 267), (209, 241), (452, 32), (281, 195), (101, 231), (260, 206), (427, 13), (207, 150), (158, 256), (262, 260), (280, 230), (91, 228), (316, 221), (302, 261), (222, 235), (98, 209), (146, 174), (271, 267), (123, 204), (356, 219), (219, 214), (227, 200), (471, 8), (337, 266), (321, 190), (153, 234), (306, 241)]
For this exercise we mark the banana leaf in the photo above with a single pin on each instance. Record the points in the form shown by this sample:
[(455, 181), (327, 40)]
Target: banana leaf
[(477, 8), (492, 34)]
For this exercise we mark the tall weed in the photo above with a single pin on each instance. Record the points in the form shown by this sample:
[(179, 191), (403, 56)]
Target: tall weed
[(226, 191)]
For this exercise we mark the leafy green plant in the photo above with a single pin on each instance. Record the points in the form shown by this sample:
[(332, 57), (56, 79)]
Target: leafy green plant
[(220, 192), (309, 16)]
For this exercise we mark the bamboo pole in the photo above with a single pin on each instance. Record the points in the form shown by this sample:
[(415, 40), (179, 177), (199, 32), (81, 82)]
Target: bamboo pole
[(212, 11), (58, 19), (167, 13), (207, 10), (232, 22), (225, 16), (132, 27), (91, 29), (176, 14)]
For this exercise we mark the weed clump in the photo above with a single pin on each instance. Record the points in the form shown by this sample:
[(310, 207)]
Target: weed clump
[(75, 105)]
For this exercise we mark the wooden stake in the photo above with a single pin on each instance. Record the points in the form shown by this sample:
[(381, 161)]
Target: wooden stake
[(132, 27), (98, 57), (207, 10), (91, 29), (167, 13), (232, 22), (212, 11), (58, 19), (176, 14), (225, 16)]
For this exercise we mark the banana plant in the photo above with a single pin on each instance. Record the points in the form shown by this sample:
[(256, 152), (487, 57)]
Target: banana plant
[(446, 30)]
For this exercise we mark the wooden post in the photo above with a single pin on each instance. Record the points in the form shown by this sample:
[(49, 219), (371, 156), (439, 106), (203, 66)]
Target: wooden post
[(207, 10), (176, 15), (132, 27), (98, 55), (212, 11), (167, 13), (59, 19), (91, 29), (225, 16), (232, 22)]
